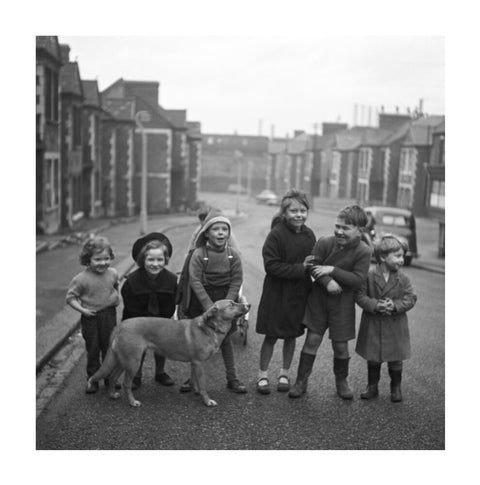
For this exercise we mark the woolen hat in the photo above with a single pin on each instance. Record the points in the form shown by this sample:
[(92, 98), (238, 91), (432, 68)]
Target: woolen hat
[(214, 216), (140, 243)]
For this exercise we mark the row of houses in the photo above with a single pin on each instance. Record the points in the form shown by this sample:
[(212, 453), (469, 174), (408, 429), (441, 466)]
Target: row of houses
[(90, 146), (399, 163)]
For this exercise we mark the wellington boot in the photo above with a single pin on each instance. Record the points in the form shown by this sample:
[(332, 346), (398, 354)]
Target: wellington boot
[(370, 392), (340, 369), (304, 370), (343, 390), (298, 389), (373, 378), (395, 385)]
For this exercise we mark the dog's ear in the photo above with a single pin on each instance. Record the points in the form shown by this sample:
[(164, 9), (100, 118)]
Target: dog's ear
[(210, 312)]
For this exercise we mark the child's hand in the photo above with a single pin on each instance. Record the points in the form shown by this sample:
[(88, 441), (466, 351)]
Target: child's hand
[(320, 270), (334, 288), (308, 261), (89, 313), (390, 306)]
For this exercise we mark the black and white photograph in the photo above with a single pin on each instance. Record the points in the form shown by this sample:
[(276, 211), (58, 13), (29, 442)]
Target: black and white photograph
[(240, 241)]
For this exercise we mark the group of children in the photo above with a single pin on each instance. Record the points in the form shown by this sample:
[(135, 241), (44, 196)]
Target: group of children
[(308, 285)]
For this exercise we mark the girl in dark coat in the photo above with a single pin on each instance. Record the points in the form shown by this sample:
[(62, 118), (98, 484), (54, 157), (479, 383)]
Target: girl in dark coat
[(150, 290), (286, 256)]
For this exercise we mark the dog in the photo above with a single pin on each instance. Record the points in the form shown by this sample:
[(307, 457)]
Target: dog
[(186, 340)]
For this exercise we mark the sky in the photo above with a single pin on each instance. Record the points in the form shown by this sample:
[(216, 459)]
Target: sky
[(271, 84)]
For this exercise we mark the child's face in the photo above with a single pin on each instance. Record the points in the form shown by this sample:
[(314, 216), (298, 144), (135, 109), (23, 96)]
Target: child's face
[(218, 234), (344, 233), (393, 261), (296, 215), (154, 261), (100, 261)]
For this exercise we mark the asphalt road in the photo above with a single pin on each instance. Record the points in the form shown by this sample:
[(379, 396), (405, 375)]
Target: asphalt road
[(169, 420)]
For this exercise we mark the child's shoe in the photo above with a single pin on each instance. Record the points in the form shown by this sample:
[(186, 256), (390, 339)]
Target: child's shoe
[(164, 379), (236, 386), (136, 383), (92, 387)]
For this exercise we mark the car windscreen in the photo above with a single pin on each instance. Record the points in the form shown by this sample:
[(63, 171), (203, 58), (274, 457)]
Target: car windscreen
[(394, 220)]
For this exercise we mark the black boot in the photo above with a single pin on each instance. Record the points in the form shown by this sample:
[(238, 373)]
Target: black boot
[(395, 385), (304, 370), (340, 369), (373, 378), (160, 375)]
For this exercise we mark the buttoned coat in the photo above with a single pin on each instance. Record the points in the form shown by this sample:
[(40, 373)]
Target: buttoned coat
[(286, 284), (381, 337)]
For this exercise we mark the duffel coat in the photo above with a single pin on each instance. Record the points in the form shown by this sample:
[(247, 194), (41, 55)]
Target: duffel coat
[(286, 284), (381, 337)]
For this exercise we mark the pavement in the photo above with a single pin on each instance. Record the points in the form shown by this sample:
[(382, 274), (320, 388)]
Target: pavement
[(57, 324)]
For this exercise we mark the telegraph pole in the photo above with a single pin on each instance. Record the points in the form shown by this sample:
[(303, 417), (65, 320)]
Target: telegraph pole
[(140, 118)]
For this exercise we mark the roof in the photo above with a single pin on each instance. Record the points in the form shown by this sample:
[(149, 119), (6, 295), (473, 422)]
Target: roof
[(49, 44), (91, 93), (298, 144), (421, 130), (70, 82), (121, 109)]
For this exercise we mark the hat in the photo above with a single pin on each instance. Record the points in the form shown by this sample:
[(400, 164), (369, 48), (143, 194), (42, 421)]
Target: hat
[(215, 215), (140, 243)]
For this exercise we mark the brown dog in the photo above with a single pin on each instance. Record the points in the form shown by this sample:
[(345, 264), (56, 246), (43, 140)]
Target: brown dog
[(187, 340)]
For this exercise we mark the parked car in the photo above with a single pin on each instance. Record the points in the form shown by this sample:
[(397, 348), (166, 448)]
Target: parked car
[(268, 197), (236, 189), (392, 220)]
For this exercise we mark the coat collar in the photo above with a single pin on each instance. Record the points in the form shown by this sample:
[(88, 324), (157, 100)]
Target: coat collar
[(384, 286)]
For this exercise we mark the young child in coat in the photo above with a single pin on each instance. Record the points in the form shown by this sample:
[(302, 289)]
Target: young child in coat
[(94, 293), (339, 268), (286, 252), (150, 290), (215, 273), (383, 336)]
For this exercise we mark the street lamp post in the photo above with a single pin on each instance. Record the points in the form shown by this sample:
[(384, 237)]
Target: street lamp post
[(140, 118)]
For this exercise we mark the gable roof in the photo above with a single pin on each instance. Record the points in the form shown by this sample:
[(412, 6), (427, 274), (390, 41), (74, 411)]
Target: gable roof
[(91, 93), (120, 109), (70, 82), (420, 131)]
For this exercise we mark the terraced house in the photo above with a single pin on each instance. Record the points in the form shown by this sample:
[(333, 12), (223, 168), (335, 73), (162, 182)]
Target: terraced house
[(90, 146)]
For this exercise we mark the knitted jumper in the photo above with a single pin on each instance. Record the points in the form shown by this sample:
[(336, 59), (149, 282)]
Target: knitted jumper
[(95, 291)]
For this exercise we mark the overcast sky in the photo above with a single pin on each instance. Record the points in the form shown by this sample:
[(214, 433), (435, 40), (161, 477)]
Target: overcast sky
[(248, 84)]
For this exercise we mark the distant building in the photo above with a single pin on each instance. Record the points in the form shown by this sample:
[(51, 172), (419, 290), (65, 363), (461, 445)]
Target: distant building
[(220, 155)]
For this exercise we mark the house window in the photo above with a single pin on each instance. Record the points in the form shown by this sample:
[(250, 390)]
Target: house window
[(405, 198), (77, 126), (407, 165), (52, 182), (51, 95), (362, 192), (437, 194)]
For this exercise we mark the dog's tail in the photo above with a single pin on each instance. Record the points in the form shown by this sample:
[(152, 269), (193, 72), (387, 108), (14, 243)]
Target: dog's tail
[(108, 365)]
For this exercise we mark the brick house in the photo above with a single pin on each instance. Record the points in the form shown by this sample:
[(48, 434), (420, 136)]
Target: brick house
[(435, 201), (414, 157), (166, 146), (48, 170), (71, 140), (117, 154), (92, 163)]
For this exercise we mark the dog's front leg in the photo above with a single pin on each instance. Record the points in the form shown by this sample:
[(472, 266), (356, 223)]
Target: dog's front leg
[(199, 376)]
